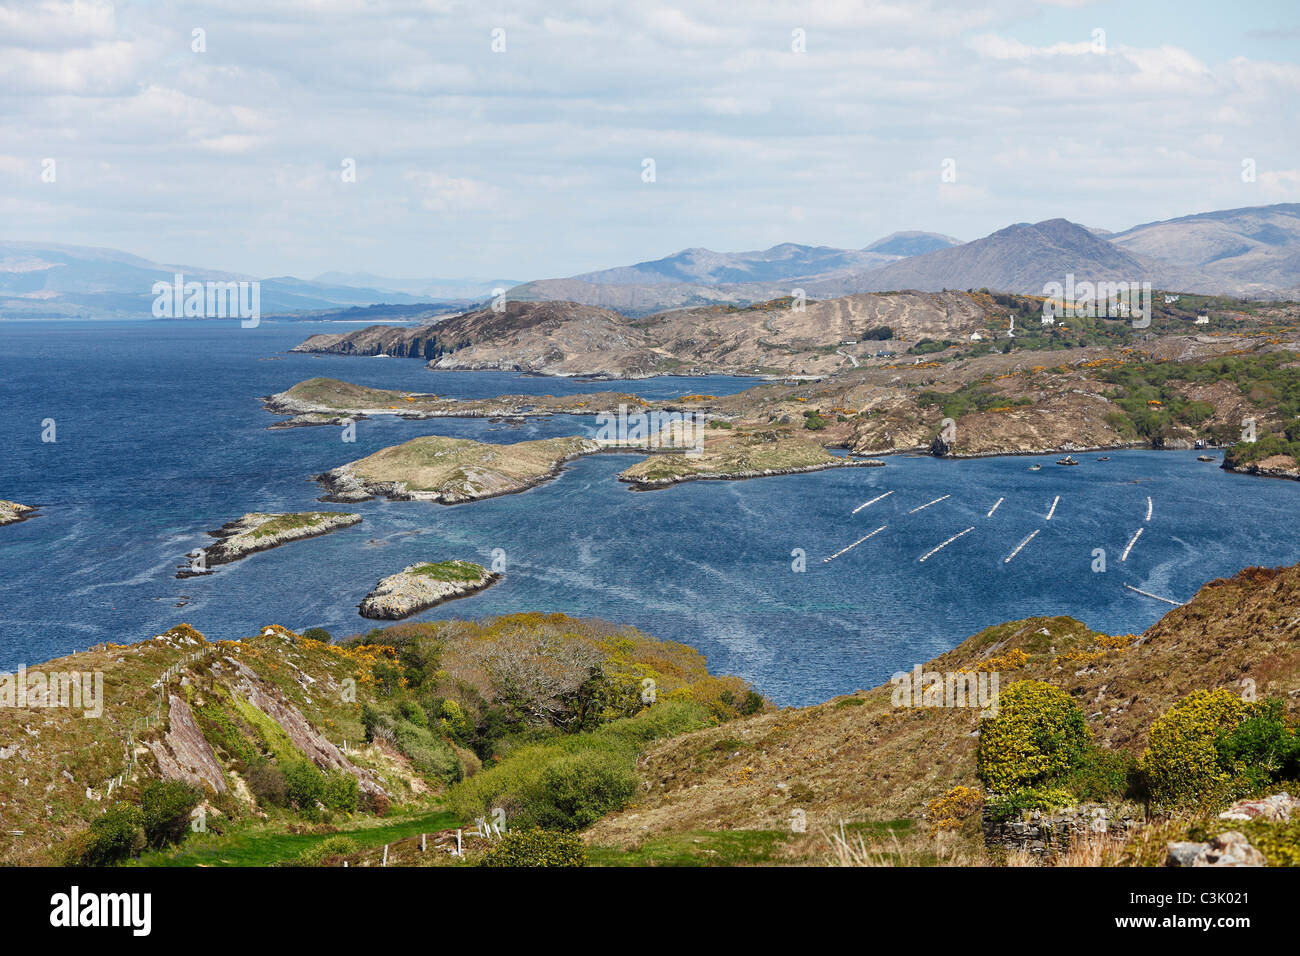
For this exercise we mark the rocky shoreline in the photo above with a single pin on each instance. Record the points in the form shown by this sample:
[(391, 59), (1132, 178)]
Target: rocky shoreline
[(262, 531), (11, 512), (422, 586), (1278, 466), (472, 470), (653, 484)]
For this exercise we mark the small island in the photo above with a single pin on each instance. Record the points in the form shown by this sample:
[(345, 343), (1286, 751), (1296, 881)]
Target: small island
[(258, 531), (735, 454), (11, 512), (451, 470), (422, 586)]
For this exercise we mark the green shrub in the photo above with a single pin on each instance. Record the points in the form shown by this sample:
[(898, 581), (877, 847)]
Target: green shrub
[(1101, 775), (318, 634), (411, 711), (576, 791), (1182, 763), (1011, 805), (427, 752), (1262, 749), (304, 785), (115, 835), (267, 783), (167, 805), (1037, 736), (536, 848), (340, 792)]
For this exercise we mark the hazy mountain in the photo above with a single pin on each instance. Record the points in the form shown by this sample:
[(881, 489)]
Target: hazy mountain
[(706, 267), (1255, 248), (460, 288), (911, 243), (46, 280)]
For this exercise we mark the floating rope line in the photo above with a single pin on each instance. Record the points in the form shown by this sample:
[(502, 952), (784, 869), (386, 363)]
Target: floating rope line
[(1132, 541), (1020, 547), (855, 544), (946, 543), (927, 504), (1052, 510), (1156, 596), (871, 502), (1150, 506), (995, 507)]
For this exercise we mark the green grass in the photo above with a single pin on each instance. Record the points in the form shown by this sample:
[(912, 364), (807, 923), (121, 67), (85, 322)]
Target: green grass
[(734, 847), (697, 848), (292, 522), (264, 845), (451, 571)]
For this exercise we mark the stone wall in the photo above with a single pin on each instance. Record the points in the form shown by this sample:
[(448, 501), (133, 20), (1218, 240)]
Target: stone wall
[(1044, 834)]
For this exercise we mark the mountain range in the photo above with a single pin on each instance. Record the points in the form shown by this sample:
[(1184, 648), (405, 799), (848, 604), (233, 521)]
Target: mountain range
[(1250, 252)]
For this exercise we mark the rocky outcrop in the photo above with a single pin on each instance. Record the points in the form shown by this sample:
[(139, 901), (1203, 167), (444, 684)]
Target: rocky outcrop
[(422, 586), (1227, 849), (1278, 808), (648, 484), (11, 512), (183, 753), (260, 531), (1275, 466), (305, 737)]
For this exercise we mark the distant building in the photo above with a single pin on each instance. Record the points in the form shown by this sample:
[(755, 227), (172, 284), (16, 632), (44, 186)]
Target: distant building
[(976, 337), (1202, 320), (1049, 320), (849, 342), (1171, 299)]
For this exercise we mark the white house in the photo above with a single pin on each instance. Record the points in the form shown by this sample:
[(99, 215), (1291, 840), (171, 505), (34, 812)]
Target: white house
[(1202, 320), (1171, 299), (976, 337), (1049, 320)]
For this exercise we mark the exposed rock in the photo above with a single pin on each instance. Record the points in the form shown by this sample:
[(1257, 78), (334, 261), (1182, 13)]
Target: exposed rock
[(422, 586), (11, 512), (1278, 807), (184, 753), (259, 531), (270, 701), (1227, 849)]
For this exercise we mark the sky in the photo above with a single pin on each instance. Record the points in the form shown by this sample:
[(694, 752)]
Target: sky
[(438, 138)]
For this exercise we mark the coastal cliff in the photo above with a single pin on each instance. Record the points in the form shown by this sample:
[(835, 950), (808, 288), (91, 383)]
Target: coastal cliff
[(11, 512)]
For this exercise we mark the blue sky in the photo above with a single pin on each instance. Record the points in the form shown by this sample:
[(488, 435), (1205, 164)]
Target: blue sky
[(528, 162)]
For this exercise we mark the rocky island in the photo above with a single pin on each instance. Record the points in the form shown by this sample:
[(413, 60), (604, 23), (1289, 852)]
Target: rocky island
[(11, 512), (422, 586), (734, 454), (451, 470), (259, 531), (329, 401)]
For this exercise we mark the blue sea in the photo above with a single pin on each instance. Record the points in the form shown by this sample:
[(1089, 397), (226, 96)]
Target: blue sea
[(160, 437)]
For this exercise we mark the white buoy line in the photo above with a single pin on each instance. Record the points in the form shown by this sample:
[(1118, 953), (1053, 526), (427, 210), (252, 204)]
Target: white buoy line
[(867, 504), (854, 544), (1150, 506), (995, 507), (1020, 547), (936, 550), (1052, 510), (928, 503), (1132, 541), (1155, 596)]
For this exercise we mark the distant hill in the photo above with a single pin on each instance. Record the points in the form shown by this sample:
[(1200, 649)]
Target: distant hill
[(1256, 248), (52, 280), (1019, 258), (425, 289), (911, 243)]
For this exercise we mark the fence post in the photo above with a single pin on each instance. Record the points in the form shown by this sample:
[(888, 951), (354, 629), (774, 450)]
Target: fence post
[(423, 845), (385, 863)]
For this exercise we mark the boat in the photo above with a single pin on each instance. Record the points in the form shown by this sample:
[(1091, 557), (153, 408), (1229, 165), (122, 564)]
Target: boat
[(1104, 458), (1205, 458), (1067, 460), (383, 355), (1035, 467)]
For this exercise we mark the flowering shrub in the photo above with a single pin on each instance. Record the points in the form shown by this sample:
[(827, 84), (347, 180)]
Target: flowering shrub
[(948, 812), (1037, 735), (1182, 763)]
